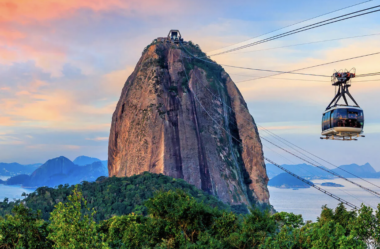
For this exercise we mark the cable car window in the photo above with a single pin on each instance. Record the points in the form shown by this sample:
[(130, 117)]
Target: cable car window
[(355, 118), (353, 114), (340, 115), (331, 121), (328, 120), (361, 118), (323, 122)]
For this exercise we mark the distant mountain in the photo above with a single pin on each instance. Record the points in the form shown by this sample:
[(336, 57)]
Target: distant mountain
[(284, 180), (12, 169), (16, 180), (365, 171), (304, 170), (310, 172), (85, 160), (58, 171), (57, 166), (87, 173), (2, 182)]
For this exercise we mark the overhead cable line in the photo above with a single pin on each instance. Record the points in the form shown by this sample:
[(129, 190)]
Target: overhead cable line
[(319, 65), (368, 74), (313, 185), (255, 69), (279, 72), (325, 169), (322, 168), (306, 43), (287, 171), (304, 79), (295, 24), (337, 167), (305, 28)]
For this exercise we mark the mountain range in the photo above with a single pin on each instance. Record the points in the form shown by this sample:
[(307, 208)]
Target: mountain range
[(60, 170), (310, 172), (13, 169)]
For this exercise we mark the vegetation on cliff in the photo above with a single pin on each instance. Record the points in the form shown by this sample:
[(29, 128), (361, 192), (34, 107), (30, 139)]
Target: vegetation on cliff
[(113, 196), (176, 220)]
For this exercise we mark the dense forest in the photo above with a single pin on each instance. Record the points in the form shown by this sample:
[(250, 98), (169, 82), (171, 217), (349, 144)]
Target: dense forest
[(175, 219), (114, 196)]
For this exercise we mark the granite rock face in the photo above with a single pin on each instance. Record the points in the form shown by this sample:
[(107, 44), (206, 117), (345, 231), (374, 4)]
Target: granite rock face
[(185, 118)]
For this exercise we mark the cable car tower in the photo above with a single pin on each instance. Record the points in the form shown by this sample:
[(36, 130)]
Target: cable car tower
[(342, 121)]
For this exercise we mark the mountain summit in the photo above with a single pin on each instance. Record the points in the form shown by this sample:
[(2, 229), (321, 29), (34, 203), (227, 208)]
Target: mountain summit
[(172, 119)]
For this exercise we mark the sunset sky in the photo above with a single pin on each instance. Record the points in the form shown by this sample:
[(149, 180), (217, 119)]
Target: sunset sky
[(63, 64)]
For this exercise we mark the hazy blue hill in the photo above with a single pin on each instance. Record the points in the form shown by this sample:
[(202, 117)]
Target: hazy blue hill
[(16, 180), (311, 172), (284, 180), (12, 169), (87, 173), (365, 171), (2, 182), (59, 171), (304, 170), (41, 176), (85, 160)]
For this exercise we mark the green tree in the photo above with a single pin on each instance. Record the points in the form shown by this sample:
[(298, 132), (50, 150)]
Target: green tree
[(255, 229), (69, 228), (23, 229), (183, 211)]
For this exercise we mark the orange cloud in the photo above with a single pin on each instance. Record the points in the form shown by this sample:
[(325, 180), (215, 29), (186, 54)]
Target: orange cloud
[(6, 121), (25, 11), (29, 10)]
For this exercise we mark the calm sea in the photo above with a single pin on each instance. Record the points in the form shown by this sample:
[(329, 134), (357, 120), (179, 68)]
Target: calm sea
[(12, 192), (308, 202)]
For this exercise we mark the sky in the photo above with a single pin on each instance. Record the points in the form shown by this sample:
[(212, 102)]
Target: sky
[(63, 64)]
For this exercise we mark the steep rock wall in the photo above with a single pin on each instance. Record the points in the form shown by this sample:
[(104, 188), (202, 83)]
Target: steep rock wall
[(171, 119)]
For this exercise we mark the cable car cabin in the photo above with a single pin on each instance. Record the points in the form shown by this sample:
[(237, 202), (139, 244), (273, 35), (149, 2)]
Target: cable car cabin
[(175, 36), (343, 121)]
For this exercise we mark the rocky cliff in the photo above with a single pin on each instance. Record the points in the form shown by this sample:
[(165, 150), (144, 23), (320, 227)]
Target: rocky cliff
[(185, 118)]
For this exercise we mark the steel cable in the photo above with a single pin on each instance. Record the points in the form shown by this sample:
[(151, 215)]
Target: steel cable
[(296, 24), (302, 29), (331, 172)]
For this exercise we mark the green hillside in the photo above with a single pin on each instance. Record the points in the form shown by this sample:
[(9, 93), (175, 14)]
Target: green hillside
[(115, 196)]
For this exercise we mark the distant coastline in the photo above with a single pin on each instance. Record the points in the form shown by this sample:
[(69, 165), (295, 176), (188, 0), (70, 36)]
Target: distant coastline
[(331, 184)]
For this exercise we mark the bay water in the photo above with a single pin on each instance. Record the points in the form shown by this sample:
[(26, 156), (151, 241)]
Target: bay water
[(13, 192), (309, 202)]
